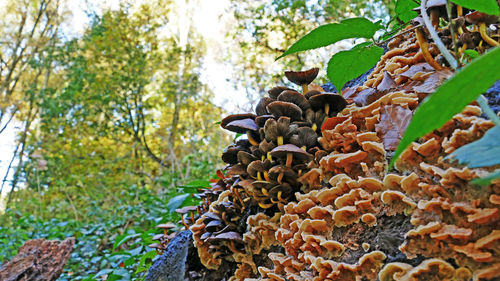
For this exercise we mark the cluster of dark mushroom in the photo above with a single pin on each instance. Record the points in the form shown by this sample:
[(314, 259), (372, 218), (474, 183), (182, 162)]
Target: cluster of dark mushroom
[(470, 30), (263, 170), (282, 140)]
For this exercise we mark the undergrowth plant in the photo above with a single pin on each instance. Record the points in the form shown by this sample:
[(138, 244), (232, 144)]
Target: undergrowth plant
[(466, 85)]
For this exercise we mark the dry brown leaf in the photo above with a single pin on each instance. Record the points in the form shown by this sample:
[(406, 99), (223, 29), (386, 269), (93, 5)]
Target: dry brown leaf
[(393, 122), (434, 81), (367, 96), (420, 67), (387, 83)]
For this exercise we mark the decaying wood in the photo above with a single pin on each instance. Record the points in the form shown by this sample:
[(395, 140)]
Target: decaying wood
[(38, 260)]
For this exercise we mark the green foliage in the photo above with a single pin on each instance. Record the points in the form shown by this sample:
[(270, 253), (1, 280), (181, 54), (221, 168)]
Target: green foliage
[(346, 65), (114, 245), (451, 97), (404, 10), (331, 33), (485, 6), (481, 153)]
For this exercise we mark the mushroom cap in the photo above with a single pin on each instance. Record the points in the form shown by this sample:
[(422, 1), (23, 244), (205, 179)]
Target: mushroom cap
[(276, 91), (242, 126), (274, 129), (287, 172), (298, 153), (157, 237), (306, 137), (230, 154), (266, 146), (311, 93), (186, 209), (166, 225), (302, 77), (212, 216), (205, 235), (254, 167), (478, 17), (214, 224), (227, 236), (246, 158), (232, 117), (236, 170), (295, 98), (261, 109), (337, 101), (156, 246), (261, 119), (282, 108)]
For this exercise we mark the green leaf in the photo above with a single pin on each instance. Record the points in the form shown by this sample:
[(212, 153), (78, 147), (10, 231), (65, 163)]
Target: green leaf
[(481, 153), (331, 33), (488, 179), (486, 6), (347, 65), (103, 272), (123, 238), (404, 10), (449, 99), (175, 202), (471, 53)]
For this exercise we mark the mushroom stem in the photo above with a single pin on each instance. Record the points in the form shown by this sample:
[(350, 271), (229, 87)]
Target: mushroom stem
[(289, 159), (239, 197), (462, 49), (424, 47), (280, 140), (184, 222), (266, 176), (192, 216), (269, 157), (434, 15), (251, 139), (305, 89), (259, 177), (281, 199), (327, 109), (232, 247), (265, 206), (314, 127), (484, 35), (280, 178), (264, 191), (460, 11), (304, 148), (299, 173)]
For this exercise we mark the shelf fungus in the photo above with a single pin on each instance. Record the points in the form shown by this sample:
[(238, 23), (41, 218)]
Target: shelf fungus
[(307, 196)]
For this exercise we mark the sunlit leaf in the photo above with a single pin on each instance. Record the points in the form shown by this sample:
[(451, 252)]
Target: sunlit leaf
[(176, 202), (481, 153), (452, 97), (486, 6), (404, 10), (123, 238), (347, 65), (331, 33)]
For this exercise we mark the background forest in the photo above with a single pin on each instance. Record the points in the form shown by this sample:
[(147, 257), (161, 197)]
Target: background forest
[(116, 125)]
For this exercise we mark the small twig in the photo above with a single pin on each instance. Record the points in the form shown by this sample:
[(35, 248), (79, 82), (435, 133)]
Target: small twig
[(446, 54), (452, 27)]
